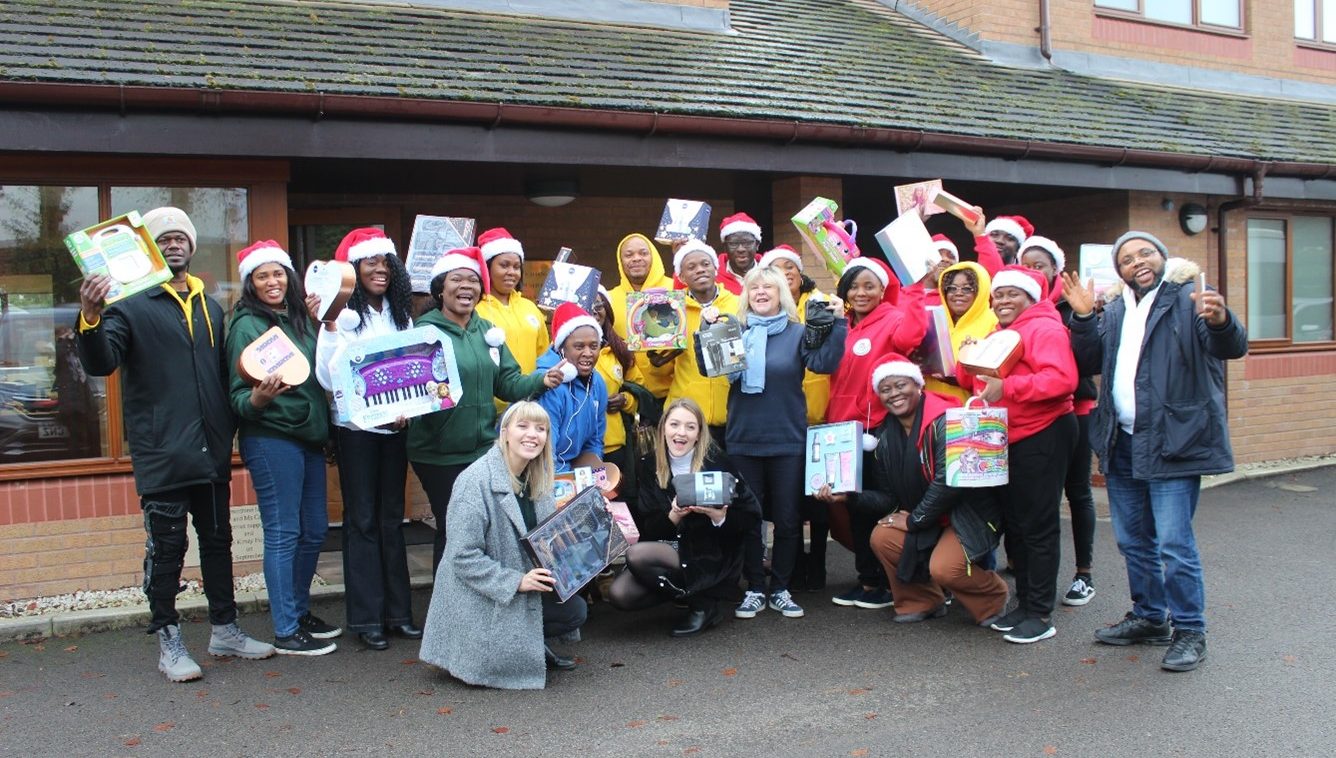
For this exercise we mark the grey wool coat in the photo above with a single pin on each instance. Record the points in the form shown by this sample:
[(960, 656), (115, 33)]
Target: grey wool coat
[(480, 627)]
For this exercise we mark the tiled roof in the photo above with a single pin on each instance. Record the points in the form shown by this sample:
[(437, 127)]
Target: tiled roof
[(844, 62)]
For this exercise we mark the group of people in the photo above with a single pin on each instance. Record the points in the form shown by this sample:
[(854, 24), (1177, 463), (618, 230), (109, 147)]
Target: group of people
[(545, 394)]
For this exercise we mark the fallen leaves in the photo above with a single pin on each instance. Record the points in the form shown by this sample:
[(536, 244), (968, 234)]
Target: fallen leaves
[(1133, 658), (500, 730), (1288, 659), (636, 724), (132, 742), (272, 674), (164, 727), (1088, 661), (675, 682), (691, 750), (294, 690), (730, 671), (870, 716), (7, 693), (666, 717), (859, 752), (444, 710), (426, 693), (409, 661), (262, 706), (1050, 750), (71, 648), (860, 691), (91, 675)]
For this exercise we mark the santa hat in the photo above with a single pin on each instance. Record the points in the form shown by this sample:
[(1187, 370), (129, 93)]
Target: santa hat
[(1050, 247), (739, 222), (1030, 281), (159, 221), (878, 269), (894, 364), (1010, 226), (367, 242), (494, 242), (258, 254), (463, 257), (782, 253), (569, 317), (944, 242), (692, 246)]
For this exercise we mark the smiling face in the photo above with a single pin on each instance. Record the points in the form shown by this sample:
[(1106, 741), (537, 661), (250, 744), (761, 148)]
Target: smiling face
[(900, 395), (460, 292), (763, 298), (374, 275), (741, 248), (524, 438), (960, 292), (1008, 303), (699, 272), (1140, 265), (271, 284), (176, 250), (865, 293), (635, 260), (792, 274), (505, 270), (581, 350), (681, 430), (1006, 245), (1038, 259)]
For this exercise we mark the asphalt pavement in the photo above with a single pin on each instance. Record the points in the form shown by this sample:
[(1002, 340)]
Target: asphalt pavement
[(839, 682)]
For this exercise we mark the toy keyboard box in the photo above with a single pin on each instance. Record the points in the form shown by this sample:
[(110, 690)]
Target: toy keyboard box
[(410, 373), (834, 457), (569, 283), (908, 248), (123, 249), (832, 241), (683, 220), (656, 319)]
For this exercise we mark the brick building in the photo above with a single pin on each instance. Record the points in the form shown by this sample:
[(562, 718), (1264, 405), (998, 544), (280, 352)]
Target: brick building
[(295, 120)]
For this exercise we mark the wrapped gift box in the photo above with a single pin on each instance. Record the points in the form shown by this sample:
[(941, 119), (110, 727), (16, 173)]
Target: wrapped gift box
[(834, 457), (683, 220), (122, 249), (410, 373), (908, 248), (995, 355), (656, 319), (829, 239), (273, 353)]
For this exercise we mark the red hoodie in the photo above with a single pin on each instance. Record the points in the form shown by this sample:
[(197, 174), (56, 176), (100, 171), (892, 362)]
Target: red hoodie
[(887, 329), (1039, 389), (726, 277)]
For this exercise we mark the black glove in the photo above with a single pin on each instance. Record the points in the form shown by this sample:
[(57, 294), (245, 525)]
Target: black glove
[(820, 323)]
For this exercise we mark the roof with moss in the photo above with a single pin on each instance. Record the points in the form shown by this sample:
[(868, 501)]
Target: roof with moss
[(844, 62)]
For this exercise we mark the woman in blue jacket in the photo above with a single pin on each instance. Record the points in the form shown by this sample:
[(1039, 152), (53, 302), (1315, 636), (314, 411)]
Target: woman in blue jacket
[(578, 407)]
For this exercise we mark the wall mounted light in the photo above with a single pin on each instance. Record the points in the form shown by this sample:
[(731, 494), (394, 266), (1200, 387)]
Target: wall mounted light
[(552, 193), (1192, 218)]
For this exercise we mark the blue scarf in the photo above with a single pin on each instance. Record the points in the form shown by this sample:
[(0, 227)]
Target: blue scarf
[(754, 341)]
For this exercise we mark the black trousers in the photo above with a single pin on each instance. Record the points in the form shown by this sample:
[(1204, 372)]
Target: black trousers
[(560, 619), (1030, 503), (439, 482), (862, 521), (373, 469), (778, 483), (1080, 498), (717, 437), (165, 550)]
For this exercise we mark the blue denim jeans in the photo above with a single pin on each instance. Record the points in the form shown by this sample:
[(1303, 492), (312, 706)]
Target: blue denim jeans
[(1152, 521), (289, 484)]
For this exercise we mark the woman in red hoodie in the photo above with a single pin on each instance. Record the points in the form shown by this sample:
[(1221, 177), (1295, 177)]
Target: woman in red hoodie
[(1037, 394)]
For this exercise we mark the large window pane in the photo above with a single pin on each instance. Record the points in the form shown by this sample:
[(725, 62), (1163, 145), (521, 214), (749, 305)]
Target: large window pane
[(1221, 13), (1305, 20), (221, 226), (1266, 279), (49, 408), (1312, 279), (1174, 11), (1122, 5), (1329, 21)]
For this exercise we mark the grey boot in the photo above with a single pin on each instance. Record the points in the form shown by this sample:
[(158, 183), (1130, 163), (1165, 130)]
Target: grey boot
[(174, 661), (228, 639)]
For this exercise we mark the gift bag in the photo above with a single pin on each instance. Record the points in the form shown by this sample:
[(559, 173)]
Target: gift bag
[(976, 445)]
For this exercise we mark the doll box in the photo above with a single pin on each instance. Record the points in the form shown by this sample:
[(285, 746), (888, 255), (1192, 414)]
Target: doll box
[(656, 319), (824, 236), (123, 249), (834, 457), (410, 373)]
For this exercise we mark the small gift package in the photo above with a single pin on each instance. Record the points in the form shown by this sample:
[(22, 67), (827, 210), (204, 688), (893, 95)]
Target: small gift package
[(976, 445), (834, 457)]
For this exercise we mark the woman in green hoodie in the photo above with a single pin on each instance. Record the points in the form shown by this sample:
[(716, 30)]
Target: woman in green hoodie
[(442, 444), (283, 431)]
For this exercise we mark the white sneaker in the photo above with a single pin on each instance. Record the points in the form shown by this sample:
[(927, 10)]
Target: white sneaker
[(174, 660), (1082, 590), (752, 604)]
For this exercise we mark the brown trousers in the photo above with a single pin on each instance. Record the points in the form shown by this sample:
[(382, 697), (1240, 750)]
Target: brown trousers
[(982, 593)]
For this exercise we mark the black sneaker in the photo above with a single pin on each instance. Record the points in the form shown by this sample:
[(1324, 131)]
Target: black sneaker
[(1186, 652), (1081, 591), (1032, 629), (1008, 621), (1133, 629), (318, 627), (301, 643)]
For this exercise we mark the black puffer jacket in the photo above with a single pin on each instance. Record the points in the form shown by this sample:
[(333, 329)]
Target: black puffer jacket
[(711, 555), (173, 385), (1085, 384)]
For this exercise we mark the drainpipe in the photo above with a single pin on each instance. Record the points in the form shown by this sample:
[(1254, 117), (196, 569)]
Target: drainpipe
[(1222, 229), (1045, 31)]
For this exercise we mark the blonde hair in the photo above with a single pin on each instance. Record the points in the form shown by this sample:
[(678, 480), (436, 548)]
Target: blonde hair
[(540, 471), (703, 442), (772, 276)]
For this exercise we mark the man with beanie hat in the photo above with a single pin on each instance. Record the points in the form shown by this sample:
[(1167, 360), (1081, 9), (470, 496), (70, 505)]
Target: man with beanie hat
[(741, 236), (168, 344), (1160, 425)]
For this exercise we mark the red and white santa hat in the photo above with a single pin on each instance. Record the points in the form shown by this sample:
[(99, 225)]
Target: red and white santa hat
[(782, 253), (894, 364), (569, 317), (1028, 280), (692, 246), (1048, 246), (367, 242), (739, 222), (1010, 226), (258, 254), (944, 242), (878, 269), (469, 258), (494, 242)]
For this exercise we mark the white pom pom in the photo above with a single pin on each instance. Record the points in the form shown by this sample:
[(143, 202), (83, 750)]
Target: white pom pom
[(869, 443), (568, 373), (495, 337), (347, 320)]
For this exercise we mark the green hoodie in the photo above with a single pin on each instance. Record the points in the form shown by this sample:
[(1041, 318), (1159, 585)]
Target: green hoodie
[(460, 435), (301, 414)]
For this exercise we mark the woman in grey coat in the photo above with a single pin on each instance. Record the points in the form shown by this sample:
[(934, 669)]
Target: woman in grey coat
[(491, 609)]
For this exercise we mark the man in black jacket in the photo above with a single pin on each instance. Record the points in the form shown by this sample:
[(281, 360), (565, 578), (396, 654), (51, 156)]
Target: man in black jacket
[(168, 344), (1159, 427)]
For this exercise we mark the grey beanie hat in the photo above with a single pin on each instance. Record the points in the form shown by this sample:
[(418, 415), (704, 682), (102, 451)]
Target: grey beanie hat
[(1134, 235)]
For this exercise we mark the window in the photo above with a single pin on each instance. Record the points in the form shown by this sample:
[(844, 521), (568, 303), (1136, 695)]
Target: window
[(1205, 13), (1291, 279), (1315, 20)]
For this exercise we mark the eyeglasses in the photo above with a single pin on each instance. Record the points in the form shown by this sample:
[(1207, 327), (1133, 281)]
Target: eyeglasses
[(1136, 255), (745, 244), (958, 290)]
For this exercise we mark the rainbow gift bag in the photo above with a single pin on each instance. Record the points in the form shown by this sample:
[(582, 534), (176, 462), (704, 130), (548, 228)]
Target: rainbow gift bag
[(976, 446)]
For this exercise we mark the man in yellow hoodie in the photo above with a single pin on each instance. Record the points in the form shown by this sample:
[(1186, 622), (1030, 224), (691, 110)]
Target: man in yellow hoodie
[(697, 265), (641, 268)]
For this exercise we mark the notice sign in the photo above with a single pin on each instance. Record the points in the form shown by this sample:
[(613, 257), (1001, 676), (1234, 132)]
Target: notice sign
[(247, 536)]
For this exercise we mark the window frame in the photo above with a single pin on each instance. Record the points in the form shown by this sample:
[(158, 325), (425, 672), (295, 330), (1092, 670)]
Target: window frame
[(265, 183), (1287, 344), (1197, 25), (1316, 40)]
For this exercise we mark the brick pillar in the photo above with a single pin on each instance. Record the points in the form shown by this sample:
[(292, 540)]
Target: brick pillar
[(790, 195)]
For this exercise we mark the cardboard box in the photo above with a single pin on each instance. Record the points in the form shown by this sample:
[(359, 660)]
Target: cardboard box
[(909, 248), (834, 457), (720, 347), (433, 237), (410, 373), (683, 220), (569, 283), (120, 248), (832, 241), (656, 319), (995, 355)]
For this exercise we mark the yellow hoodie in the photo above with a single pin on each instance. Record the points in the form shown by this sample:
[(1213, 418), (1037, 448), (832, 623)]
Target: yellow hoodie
[(688, 381), (525, 328), (977, 322), (656, 380), (815, 386), (610, 369)]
